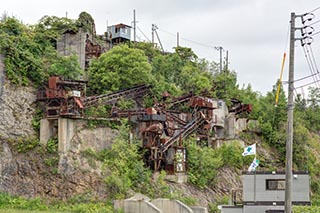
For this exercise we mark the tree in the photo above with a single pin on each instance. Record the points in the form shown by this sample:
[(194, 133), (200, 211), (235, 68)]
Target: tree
[(273, 120), (186, 54), (30, 56), (312, 112), (86, 22), (192, 79), (122, 67), (225, 85)]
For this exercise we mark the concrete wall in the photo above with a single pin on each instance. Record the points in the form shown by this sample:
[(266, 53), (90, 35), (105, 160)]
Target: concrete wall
[(199, 209), (260, 208), (139, 203), (250, 208), (242, 124), (254, 188), (177, 178), (140, 206), (133, 205), (171, 206), (232, 209), (73, 44)]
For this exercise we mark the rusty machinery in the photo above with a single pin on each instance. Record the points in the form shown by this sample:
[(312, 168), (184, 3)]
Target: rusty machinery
[(161, 127), (67, 98), (164, 126)]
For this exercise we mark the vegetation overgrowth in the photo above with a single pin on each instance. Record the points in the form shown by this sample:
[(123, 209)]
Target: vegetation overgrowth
[(30, 57)]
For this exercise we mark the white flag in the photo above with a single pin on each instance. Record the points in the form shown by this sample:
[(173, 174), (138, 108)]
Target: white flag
[(249, 150), (254, 165)]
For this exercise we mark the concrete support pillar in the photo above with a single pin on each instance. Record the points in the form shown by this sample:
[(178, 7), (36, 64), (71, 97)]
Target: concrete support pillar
[(46, 131), (66, 131), (231, 126)]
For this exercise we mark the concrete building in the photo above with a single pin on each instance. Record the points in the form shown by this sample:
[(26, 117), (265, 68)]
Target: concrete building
[(264, 192), (82, 44), (72, 42)]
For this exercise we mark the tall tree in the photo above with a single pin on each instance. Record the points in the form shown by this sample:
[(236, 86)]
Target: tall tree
[(121, 67)]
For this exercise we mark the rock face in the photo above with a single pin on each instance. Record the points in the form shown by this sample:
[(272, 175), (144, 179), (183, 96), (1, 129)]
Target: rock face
[(85, 139), (16, 109), (28, 176)]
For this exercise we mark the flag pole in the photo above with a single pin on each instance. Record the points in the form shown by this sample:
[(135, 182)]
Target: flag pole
[(255, 159)]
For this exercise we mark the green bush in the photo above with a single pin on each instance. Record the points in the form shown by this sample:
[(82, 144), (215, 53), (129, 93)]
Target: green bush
[(203, 164), (13, 202), (52, 161), (306, 209), (52, 146), (231, 155), (125, 169), (23, 145)]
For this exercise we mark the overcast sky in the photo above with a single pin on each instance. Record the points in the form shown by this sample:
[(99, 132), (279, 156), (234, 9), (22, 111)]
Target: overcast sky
[(253, 31)]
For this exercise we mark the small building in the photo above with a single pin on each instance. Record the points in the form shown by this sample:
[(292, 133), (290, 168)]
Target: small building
[(264, 192), (118, 33)]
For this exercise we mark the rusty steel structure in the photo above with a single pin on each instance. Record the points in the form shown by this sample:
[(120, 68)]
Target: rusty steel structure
[(63, 97), (161, 128), (238, 107), (67, 98)]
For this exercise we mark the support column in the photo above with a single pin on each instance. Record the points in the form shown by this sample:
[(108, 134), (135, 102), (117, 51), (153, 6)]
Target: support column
[(66, 131), (46, 131)]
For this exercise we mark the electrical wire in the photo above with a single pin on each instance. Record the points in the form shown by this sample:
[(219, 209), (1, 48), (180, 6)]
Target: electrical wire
[(314, 60), (309, 62), (287, 39), (314, 10), (143, 34), (300, 79), (316, 33), (315, 71), (313, 23), (186, 39), (304, 85)]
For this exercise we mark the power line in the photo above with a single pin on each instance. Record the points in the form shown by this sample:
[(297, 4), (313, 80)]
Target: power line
[(313, 23), (309, 62), (303, 78), (313, 34), (315, 70), (189, 40), (287, 39), (314, 9), (308, 84), (143, 34)]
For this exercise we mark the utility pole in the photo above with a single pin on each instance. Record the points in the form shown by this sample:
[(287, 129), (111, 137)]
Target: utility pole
[(177, 39), (220, 58), (155, 30), (152, 33), (288, 189), (220, 51), (134, 26), (227, 60)]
